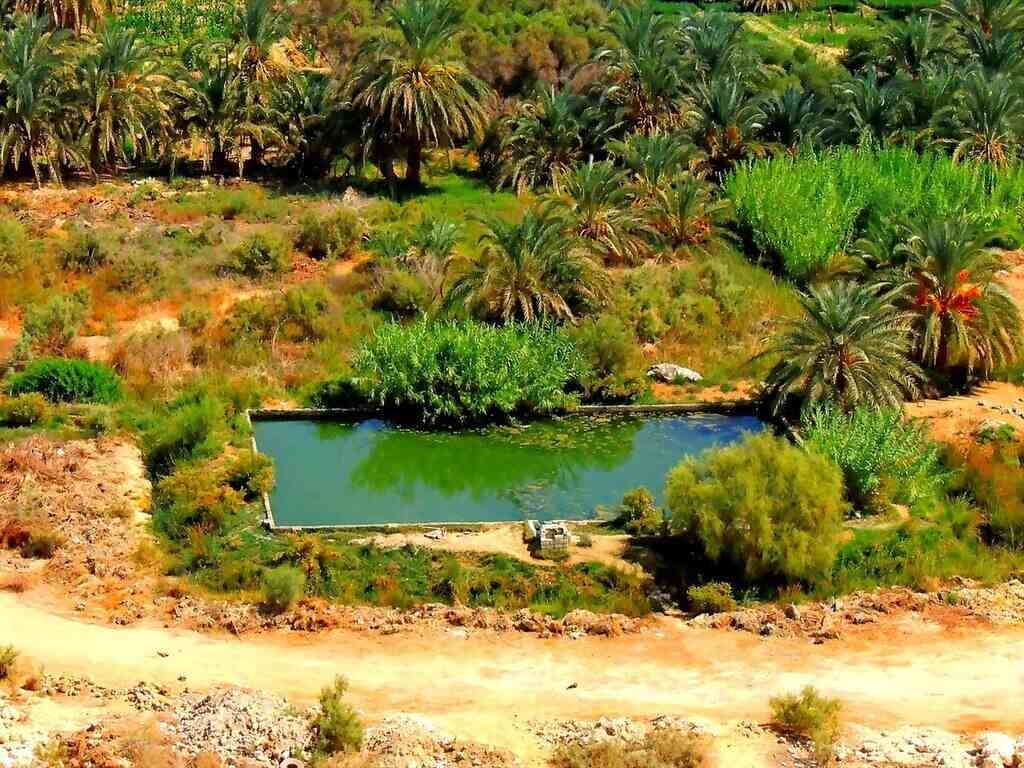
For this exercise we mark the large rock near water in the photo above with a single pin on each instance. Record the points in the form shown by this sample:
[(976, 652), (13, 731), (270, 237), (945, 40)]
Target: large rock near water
[(671, 373)]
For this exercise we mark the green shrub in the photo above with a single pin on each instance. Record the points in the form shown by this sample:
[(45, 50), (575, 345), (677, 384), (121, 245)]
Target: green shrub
[(258, 256), (51, 327), (67, 381), (401, 293), (662, 748), (8, 656), (713, 597), (282, 587), (341, 392), (40, 545), (190, 431), (84, 252), (639, 515), (195, 318), (615, 367), (992, 475), (205, 495), (459, 373), (337, 727), (873, 446), (335, 235), (23, 410), (812, 716), (14, 247), (771, 510), (133, 271), (804, 211)]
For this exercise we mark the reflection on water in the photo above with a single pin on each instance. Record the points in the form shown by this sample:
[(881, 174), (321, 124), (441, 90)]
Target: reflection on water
[(373, 472)]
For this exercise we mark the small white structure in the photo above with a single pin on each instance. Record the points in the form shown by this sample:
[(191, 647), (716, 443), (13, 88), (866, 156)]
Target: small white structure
[(549, 537)]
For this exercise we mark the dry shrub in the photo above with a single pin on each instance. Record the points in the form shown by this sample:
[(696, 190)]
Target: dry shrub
[(160, 358), (26, 674), (149, 747), (15, 582), (659, 749), (811, 715)]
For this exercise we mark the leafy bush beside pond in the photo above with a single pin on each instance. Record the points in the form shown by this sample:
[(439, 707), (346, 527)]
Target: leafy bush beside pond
[(442, 373), (67, 381)]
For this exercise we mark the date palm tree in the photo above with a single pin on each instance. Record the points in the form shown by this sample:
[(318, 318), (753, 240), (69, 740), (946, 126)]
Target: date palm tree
[(75, 15), (653, 162), (963, 314), (597, 205), (120, 82), (689, 219), (415, 91), (986, 122), (997, 54), (870, 108), (544, 142), (913, 44), (528, 270), (851, 347), (713, 40), (37, 120), (728, 123), (987, 16), (791, 118)]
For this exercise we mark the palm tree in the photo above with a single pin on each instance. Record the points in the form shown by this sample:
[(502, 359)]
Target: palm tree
[(65, 14), (986, 123), (714, 41), (36, 119), (997, 54), (728, 122), (642, 71), (963, 314), (870, 109), (987, 16), (597, 204), (791, 118), (774, 6), (850, 348), (544, 142), (120, 85), (528, 270), (911, 45), (415, 92), (688, 218), (653, 162)]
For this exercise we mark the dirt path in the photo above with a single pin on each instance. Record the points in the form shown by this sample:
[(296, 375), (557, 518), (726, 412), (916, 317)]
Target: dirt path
[(906, 673)]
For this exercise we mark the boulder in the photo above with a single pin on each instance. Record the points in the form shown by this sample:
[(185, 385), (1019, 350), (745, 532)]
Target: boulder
[(671, 373), (996, 749)]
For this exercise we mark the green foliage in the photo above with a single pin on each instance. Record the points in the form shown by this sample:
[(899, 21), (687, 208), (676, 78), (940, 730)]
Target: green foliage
[(50, 328), (459, 373), (337, 726), (341, 392), (8, 655), (24, 410), (259, 256), (14, 247), (764, 506), (615, 367), (282, 587), (401, 293), (803, 212), (195, 318), (192, 429), (67, 381), (639, 515), (992, 474), (84, 252), (812, 716), (875, 446), (334, 235), (663, 748), (713, 597)]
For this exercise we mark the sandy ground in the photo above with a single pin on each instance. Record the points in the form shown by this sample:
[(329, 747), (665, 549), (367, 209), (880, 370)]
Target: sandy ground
[(955, 419), (906, 672)]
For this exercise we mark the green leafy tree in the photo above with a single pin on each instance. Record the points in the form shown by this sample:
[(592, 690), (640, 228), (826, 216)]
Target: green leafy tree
[(414, 89), (850, 348)]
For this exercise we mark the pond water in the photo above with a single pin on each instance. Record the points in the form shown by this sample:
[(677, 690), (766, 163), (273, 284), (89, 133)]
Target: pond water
[(372, 472)]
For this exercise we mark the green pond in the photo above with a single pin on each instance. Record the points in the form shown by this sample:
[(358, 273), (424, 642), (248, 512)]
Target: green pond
[(371, 472)]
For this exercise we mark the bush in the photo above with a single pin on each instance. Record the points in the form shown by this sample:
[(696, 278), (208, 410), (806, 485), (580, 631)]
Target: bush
[(196, 497), (713, 597), (41, 545), (812, 716), (23, 410), (663, 748), (804, 211), (282, 587), (14, 250), (335, 235), (615, 366), (341, 392), (337, 727), (993, 477), (460, 373), (639, 515), (195, 318), (67, 381), (872, 446), (258, 256), (51, 327), (401, 293), (764, 506), (8, 657), (190, 431), (84, 252)]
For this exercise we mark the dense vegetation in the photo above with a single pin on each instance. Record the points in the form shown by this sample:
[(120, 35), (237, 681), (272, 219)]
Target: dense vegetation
[(544, 199)]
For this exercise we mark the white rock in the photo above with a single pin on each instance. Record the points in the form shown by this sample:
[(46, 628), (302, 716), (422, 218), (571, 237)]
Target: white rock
[(670, 373), (998, 746)]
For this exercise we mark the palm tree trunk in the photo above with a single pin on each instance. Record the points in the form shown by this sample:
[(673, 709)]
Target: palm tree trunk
[(414, 164)]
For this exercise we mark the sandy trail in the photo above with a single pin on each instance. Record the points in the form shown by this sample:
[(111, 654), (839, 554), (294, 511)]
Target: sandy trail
[(907, 672)]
